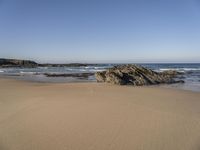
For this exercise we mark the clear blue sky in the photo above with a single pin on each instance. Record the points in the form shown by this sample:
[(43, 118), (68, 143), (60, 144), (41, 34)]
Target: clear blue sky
[(100, 30)]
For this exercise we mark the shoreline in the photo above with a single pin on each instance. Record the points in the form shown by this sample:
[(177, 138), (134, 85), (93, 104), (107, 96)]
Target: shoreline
[(174, 86)]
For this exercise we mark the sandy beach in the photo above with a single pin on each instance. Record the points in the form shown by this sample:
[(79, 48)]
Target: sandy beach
[(93, 116)]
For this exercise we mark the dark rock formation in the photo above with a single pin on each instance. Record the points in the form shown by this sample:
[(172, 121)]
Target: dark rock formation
[(66, 65), (76, 75), (17, 63), (172, 73), (135, 75)]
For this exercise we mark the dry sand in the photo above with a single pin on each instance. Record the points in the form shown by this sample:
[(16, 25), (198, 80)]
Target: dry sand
[(91, 116)]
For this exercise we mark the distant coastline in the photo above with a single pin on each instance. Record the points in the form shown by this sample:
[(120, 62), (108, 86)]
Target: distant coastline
[(6, 63)]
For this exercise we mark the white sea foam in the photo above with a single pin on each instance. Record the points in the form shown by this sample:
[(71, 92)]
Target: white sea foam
[(180, 69), (1, 71), (81, 70), (101, 67), (88, 67), (43, 67), (22, 72), (96, 70), (191, 69)]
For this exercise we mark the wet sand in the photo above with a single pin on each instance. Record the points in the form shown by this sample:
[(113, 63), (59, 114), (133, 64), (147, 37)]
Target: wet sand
[(93, 116)]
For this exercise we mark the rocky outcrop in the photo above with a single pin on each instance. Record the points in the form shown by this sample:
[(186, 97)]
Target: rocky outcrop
[(135, 75), (172, 73), (66, 65), (17, 63), (75, 75)]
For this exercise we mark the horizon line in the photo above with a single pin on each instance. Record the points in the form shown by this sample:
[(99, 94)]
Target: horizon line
[(106, 62)]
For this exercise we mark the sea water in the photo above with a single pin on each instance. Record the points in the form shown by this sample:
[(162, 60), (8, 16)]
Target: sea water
[(191, 73)]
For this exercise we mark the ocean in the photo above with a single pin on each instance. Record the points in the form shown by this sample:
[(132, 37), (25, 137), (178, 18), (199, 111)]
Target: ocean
[(191, 73)]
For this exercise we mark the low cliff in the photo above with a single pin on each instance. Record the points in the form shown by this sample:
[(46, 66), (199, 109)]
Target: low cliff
[(17, 63)]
